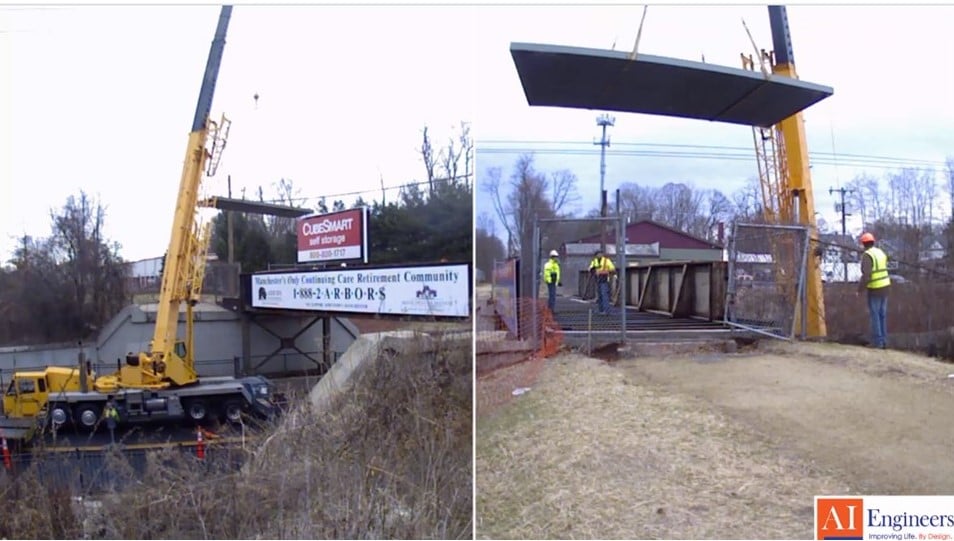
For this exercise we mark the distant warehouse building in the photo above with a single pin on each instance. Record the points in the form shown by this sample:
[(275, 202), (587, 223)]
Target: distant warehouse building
[(646, 241)]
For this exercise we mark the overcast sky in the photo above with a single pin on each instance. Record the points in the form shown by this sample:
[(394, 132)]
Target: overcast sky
[(890, 68), (102, 99)]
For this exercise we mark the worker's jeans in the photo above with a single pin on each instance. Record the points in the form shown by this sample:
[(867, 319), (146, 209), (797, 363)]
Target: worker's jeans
[(878, 309), (551, 296), (603, 294)]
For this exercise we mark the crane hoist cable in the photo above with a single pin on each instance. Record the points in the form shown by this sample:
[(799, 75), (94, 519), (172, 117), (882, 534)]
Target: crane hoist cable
[(639, 33)]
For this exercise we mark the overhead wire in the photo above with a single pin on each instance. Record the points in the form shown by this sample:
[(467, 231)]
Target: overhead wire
[(692, 151), (305, 199)]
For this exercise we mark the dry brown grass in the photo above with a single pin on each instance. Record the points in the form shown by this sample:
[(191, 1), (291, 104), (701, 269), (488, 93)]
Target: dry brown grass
[(495, 390), (394, 461), (590, 453)]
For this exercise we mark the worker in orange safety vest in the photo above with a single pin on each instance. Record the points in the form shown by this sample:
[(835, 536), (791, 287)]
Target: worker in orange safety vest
[(875, 280)]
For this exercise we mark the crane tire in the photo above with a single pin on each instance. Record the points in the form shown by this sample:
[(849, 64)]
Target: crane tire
[(232, 410), (197, 410), (87, 416)]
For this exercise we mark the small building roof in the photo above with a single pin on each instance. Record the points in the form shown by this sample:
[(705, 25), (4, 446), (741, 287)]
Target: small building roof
[(650, 232)]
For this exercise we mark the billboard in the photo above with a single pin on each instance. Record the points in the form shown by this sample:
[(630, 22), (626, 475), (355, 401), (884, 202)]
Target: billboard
[(337, 236), (429, 290)]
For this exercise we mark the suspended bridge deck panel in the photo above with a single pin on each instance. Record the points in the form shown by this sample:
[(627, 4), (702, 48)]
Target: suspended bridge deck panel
[(559, 76)]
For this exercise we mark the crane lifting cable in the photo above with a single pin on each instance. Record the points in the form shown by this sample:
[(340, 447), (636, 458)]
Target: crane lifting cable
[(639, 32)]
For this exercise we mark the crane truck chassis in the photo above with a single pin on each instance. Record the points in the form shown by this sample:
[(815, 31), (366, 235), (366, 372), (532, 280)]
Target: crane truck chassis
[(60, 398)]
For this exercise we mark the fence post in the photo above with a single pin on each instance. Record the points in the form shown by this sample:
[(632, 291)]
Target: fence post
[(535, 286), (621, 273), (803, 283), (589, 331), (493, 280), (729, 314)]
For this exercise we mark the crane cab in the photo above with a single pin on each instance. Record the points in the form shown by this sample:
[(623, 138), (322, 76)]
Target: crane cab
[(25, 395), (28, 392)]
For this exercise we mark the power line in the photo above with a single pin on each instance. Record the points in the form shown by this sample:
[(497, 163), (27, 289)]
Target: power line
[(661, 150), (372, 190)]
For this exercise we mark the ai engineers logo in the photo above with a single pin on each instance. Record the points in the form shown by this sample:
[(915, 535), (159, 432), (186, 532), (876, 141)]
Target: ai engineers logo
[(839, 518)]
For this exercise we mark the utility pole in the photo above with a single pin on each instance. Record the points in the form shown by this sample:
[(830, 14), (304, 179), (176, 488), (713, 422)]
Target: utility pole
[(603, 121), (228, 217), (844, 223)]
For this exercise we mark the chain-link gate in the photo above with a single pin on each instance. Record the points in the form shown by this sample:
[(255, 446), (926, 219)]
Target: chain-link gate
[(576, 306), (767, 273)]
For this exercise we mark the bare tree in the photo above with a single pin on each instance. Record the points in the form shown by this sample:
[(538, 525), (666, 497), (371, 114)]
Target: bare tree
[(458, 150), (718, 209), (564, 190), (488, 247), (91, 266), (430, 160), (523, 201), (527, 197), (637, 202), (286, 194), (66, 286), (747, 201), (678, 205), (866, 197)]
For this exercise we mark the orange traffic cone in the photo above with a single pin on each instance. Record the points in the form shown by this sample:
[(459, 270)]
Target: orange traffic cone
[(199, 445), (6, 454)]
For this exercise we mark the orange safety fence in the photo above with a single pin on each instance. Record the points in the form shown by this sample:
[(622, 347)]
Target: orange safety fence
[(508, 365)]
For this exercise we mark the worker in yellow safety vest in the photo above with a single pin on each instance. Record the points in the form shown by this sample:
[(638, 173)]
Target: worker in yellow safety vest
[(551, 277), (875, 280), (111, 414), (602, 267)]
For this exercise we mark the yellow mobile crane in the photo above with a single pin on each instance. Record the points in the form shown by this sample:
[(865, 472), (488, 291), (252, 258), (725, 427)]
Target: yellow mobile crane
[(785, 176), (161, 383)]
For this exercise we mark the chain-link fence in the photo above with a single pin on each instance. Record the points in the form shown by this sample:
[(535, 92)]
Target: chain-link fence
[(588, 296), (85, 471), (221, 279), (919, 317), (767, 278), (505, 366)]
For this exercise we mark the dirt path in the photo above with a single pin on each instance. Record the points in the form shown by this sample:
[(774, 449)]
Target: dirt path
[(881, 418), (708, 445)]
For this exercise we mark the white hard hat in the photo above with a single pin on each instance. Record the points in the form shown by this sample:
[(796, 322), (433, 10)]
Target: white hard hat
[(554, 253)]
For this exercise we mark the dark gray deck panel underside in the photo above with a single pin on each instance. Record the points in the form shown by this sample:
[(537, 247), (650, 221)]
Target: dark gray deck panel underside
[(601, 80)]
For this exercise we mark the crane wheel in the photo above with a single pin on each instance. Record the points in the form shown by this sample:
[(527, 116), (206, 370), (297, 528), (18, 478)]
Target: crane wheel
[(197, 410), (232, 411), (59, 415), (88, 415)]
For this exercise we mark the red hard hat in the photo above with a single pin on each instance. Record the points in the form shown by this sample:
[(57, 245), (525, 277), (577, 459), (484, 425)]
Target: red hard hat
[(867, 237)]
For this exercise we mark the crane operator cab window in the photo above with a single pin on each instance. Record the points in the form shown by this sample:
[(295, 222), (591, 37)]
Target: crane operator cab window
[(25, 386)]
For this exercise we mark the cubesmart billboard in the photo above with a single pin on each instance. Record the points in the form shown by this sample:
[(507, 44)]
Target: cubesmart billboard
[(336, 236)]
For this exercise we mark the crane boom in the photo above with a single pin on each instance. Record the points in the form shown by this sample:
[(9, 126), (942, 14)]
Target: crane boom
[(798, 175), (169, 361)]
